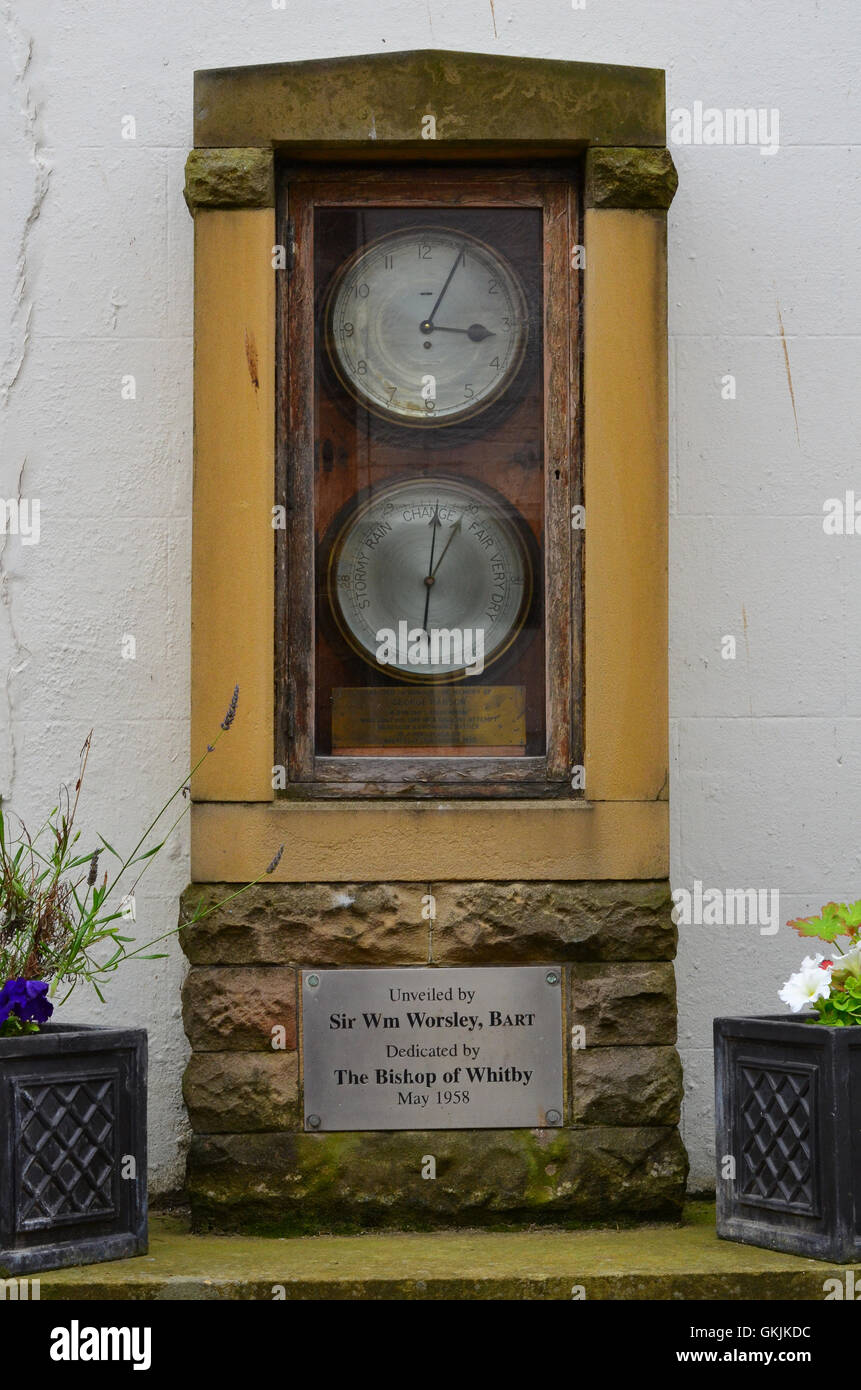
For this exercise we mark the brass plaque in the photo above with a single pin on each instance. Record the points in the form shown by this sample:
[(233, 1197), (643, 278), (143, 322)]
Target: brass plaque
[(430, 719)]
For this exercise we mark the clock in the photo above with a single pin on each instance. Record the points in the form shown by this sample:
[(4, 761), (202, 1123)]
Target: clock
[(431, 578), (426, 326)]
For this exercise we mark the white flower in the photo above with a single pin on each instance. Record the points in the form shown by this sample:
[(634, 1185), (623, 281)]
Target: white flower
[(808, 984), (851, 961)]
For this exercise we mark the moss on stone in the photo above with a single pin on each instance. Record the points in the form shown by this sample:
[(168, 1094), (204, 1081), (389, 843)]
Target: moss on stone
[(630, 178), (229, 178), (293, 1183), (379, 100), (668, 1262)]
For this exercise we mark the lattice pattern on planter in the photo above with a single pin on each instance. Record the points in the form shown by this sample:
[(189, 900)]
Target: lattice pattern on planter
[(66, 1140), (776, 1136)]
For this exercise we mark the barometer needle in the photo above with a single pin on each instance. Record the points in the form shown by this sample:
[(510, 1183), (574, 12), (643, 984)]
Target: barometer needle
[(435, 524), (454, 530)]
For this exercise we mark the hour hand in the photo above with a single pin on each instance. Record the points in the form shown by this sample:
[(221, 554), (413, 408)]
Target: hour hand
[(476, 331)]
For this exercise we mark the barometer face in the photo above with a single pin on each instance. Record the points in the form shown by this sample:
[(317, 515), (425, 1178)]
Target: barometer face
[(431, 579), (426, 326)]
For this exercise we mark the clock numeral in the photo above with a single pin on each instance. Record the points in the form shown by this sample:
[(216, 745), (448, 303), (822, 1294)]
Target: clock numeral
[(347, 330), (468, 392), (493, 287), (425, 251), (389, 262), (361, 291), (392, 392), (361, 366), (429, 404), (494, 362)]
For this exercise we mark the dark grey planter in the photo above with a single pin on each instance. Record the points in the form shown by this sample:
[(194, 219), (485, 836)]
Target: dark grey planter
[(72, 1112), (788, 1112)]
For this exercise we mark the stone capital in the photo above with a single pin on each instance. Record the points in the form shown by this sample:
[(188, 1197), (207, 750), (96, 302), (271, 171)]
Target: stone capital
[(229, 178), (629, 177)]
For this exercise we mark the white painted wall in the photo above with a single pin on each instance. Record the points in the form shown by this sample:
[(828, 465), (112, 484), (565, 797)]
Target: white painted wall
[(96, 266)]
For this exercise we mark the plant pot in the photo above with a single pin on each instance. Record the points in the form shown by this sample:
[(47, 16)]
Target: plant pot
[(72, 1147), (788, 1115)]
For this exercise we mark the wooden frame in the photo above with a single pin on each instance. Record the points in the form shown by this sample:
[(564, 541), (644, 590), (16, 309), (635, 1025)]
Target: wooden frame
[(310, 775)]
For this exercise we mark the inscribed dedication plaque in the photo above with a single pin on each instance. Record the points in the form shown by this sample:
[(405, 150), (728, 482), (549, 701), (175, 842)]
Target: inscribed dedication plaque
[(432, 1049), (442, 719)]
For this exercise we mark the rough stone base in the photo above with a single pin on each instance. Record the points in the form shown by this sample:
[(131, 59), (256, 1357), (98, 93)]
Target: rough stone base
[(618, 1155), (286, 1184)]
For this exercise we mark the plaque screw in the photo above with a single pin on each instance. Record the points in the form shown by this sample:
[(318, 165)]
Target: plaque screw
[(313, 1121), (552, 978), (552, 1117), (312, 981)]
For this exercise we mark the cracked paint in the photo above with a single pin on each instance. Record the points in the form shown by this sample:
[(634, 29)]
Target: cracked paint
[(788, 372), (20, 656), (115, 305), (20, 49)]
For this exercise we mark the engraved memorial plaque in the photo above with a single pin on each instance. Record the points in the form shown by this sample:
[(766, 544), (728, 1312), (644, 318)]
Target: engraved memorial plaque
[(438, 720), (477, 1048)]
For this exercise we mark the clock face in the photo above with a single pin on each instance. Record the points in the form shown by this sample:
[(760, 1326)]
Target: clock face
[(431, 579), (426, 326)]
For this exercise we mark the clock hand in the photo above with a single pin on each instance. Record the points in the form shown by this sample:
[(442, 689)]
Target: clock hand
[(435, 523), (428, 323), (454, 531), (476, 331)]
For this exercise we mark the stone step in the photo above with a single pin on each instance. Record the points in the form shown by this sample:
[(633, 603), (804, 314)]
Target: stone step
[(666, 1262)]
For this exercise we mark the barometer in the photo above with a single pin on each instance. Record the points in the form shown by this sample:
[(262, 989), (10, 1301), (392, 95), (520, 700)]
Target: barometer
[(430, 578)]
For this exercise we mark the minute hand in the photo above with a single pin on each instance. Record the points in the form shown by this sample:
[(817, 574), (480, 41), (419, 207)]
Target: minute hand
[(457, 260)]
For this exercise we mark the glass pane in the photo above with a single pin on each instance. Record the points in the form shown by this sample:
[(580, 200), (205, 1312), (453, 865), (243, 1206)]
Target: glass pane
[(429, 481)]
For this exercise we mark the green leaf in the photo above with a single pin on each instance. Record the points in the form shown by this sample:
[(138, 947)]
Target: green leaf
[(851, 914), (111, 849), (147, 853), (827, 926)]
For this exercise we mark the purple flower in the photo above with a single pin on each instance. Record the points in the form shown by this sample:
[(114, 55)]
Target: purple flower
[(231, 710), (276, 861), (94, 869), (27, 999)]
